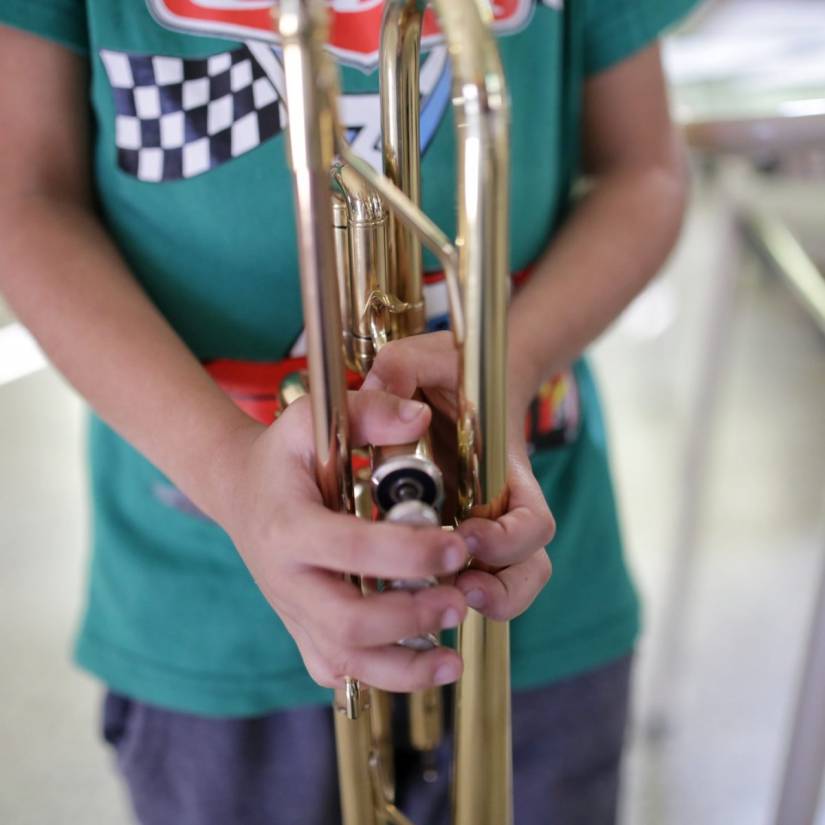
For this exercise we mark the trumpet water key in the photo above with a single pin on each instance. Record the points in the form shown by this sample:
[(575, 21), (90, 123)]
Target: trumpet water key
[(360, 235)]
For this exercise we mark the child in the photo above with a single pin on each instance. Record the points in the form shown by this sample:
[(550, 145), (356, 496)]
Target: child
[(147, 230)]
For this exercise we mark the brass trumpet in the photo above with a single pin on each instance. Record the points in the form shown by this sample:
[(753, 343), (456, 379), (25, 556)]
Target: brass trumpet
[(360, 235)]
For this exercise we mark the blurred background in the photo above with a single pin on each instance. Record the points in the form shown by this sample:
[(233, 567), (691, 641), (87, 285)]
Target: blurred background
[(714, 381)]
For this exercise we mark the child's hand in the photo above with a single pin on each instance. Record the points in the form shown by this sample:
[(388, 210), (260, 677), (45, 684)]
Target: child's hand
[(298, 550), (513, 544)]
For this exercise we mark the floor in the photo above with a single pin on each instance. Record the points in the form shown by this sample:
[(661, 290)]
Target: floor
[(760, 533), (52, 771), (760, 526)]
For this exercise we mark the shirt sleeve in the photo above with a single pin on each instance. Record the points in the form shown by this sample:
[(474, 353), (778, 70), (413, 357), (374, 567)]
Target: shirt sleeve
[(616, 29), (63, 21)]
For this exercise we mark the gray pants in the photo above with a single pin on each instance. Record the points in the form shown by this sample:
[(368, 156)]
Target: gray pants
[(280, 769)]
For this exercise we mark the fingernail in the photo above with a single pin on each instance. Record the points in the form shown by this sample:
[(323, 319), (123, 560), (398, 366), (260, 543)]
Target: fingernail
[(454, 556), (450, 619), (373, 382), (476, 599), (445, 674), (472, 543), (410, 410)]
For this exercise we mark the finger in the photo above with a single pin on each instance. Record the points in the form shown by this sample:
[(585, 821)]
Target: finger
[(429, 361), (510, 539), (374, 418), (513, 537), (382, 418), (314, 661), (389, 668), (379, 550), (347, 619), (509, 592), (395, 668)]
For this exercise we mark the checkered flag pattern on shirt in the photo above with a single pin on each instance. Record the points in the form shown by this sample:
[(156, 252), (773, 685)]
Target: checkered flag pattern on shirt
[(176, 118)]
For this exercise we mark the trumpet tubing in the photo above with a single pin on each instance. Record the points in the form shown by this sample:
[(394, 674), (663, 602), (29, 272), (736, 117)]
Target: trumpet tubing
[(360, 237)]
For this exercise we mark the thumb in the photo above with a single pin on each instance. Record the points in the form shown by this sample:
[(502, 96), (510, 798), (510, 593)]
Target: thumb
[(428, 361)]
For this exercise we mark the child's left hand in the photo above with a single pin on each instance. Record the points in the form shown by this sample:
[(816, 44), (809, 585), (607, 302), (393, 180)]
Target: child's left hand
[(512, 545)]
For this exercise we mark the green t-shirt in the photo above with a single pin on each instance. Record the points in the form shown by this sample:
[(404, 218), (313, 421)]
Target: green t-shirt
[(192, 183)]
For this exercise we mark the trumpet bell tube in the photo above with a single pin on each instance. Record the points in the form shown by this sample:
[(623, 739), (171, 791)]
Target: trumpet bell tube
[(476, 268)]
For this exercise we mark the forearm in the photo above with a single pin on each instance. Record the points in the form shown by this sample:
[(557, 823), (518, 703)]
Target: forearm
[(613, 244), (67, 283)]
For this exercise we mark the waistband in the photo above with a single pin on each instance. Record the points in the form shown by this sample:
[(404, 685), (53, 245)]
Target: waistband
[(254, 386)]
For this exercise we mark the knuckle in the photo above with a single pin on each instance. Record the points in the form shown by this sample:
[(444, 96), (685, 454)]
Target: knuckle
[(340, 666), (422, 560), (391, 351), (415, 551), (548, 527), (318, 669), (386, 359), (545, 567), (423, 682), (423, 615), (322, 675), (285, 546), (348, 547), (500, 610), (421, 674), (364, 403), (346, 625), (500, 552), (283, 523), (296, 418)]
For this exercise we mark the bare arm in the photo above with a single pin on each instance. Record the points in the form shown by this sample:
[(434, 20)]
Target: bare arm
[(613, 243), (617, 237), (66, 281)]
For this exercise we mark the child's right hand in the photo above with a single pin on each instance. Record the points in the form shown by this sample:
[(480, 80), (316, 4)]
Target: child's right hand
[(298, 552)]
